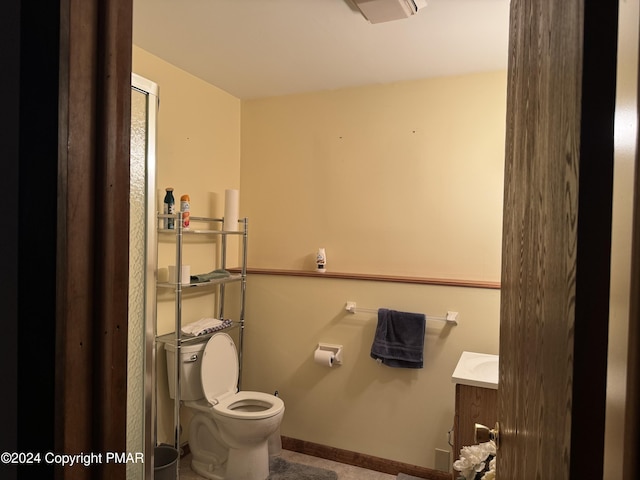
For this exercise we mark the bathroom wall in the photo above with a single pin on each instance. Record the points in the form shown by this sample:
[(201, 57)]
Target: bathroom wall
[(198, 154), (360, 406), (402, 179)]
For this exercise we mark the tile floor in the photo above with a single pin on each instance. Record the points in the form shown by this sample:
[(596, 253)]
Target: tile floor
[(345, 472)]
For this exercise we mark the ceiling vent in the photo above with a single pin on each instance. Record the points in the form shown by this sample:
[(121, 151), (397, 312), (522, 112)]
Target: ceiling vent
[(379, 11)]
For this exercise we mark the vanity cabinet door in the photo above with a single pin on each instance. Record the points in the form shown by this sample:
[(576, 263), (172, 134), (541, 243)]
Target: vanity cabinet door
[(473, 405)]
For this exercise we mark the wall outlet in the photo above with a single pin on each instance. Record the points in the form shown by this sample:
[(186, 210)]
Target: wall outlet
[(443, 460)]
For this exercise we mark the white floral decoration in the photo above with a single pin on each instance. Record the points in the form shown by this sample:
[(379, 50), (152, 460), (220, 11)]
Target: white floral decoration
[(491, 474), (473, 460)]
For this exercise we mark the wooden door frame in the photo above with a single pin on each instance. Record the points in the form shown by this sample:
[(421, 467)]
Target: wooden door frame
[(557, 238), (93, 232), (632, 417)]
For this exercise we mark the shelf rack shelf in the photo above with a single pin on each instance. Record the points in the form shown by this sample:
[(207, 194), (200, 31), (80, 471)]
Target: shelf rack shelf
[(210, 283)]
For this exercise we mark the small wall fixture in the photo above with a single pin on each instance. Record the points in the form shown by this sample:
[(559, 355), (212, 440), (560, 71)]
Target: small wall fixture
[(335, 352), (379, 11)]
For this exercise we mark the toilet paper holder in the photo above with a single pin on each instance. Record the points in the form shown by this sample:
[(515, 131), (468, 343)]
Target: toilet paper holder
[(335, 349)]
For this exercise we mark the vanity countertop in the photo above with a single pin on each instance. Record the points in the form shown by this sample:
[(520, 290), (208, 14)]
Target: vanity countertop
[(477, 370)]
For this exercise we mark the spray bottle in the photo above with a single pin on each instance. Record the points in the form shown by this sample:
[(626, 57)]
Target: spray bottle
[(185, 207), (321, 260), (169, 208)]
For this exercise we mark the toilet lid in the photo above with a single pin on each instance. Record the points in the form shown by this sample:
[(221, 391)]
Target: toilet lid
[(219, 369)]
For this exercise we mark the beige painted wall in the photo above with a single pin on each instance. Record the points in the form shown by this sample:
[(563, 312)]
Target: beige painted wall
[(198, 149), (198, 154), (398, 414), (401, 179)]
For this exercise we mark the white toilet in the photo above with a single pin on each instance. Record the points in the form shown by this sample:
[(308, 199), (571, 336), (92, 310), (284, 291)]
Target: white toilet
[(229, 436)]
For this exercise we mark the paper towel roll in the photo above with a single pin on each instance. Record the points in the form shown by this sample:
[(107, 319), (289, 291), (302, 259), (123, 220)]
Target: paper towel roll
[(323, 357), (231, 208)]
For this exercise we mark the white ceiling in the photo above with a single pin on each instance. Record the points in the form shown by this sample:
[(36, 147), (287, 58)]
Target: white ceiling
[(261, 48)]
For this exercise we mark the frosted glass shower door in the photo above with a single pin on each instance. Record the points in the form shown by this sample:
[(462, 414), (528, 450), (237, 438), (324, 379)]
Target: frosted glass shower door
[(142, 241)]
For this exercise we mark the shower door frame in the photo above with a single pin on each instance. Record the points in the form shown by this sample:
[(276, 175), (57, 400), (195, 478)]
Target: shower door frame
[(150, 89)]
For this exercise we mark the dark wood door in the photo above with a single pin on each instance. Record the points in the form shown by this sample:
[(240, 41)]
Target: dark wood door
[(556, 239)]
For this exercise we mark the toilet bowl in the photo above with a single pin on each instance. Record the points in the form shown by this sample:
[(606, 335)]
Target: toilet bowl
[(230, 433)]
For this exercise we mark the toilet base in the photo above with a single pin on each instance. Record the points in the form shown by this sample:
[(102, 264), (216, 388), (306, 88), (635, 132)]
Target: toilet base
[(242, 464), (274, 444), (248, 463), (207, 470)]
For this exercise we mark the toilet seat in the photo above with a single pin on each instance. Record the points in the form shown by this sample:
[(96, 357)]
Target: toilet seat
[(219, 377), (249, 405)]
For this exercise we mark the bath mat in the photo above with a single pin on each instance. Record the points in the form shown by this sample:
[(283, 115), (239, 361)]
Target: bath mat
[(404, 476), (281, 469)]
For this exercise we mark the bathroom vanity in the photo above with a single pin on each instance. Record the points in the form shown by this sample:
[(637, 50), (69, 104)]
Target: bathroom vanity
[(476, 379)]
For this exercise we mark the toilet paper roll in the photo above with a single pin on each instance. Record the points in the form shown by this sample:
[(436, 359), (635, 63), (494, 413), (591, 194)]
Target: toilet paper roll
[(231, 208), (185, 275), (323, 357)]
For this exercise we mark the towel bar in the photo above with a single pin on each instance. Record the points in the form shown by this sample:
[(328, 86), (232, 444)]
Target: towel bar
[(451, 317)]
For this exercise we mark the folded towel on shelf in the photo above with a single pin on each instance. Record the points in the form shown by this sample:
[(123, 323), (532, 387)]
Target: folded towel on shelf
[(207, 277), (399, 339), (204, 326)]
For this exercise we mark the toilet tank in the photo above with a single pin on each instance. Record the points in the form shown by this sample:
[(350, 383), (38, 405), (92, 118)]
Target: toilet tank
[(190, 363)]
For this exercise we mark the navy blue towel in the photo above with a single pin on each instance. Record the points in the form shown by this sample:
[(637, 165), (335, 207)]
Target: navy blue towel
[(399, 339)]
